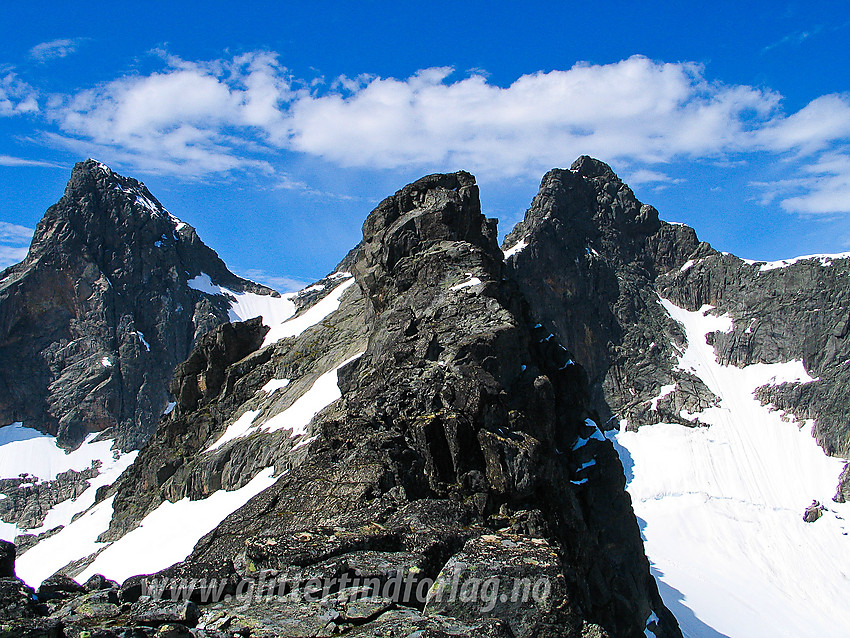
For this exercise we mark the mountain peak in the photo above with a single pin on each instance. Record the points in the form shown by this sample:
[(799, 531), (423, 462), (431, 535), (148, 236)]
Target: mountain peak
[(107, 279), (437, 208), (587, 166)]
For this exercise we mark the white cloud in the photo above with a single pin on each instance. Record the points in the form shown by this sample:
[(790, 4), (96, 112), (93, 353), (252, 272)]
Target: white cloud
[(646, 176), (636, 109), (9, 160), (815, 127), (54, 49), (15, 234), (11, 255), (197, 118), (16, 96), (193, 117), (277, 282), (825, 188)]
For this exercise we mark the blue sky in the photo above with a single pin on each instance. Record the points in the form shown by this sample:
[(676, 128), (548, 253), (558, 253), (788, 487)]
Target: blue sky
[(275, 128)]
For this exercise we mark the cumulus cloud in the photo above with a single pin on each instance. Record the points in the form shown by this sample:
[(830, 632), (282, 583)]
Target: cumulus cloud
[(54, 49), (636, 109), (16, 96), (191, 117), (212, 117)]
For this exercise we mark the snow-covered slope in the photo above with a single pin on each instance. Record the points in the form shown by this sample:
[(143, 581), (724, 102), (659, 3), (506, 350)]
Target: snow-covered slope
[(166, 536), (24, 451), (277, 312), (721, 507)]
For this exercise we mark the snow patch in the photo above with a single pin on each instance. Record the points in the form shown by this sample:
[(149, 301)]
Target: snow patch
[(247, 305), (75, 541), (472, 281), (722, 506), (515, 249), (143, 340), (663, 392), (168, 534), (824, 260), (105, 362), (324, 391), (595, 436), (313, 288), (294, 326), (27, 451), (275, 384), (239, 428)]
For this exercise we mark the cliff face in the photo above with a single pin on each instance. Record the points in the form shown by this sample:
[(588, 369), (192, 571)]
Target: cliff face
[(442, 411), (94, 320), (454, 441)]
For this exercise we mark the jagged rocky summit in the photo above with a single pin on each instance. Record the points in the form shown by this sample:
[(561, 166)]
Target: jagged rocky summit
[(455, 442), (94, 320), (441, 411)]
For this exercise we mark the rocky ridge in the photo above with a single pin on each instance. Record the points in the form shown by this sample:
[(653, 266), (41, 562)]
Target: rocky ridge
[(464, 447)]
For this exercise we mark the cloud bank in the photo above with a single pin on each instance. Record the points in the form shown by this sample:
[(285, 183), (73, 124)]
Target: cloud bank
[(198, 118)]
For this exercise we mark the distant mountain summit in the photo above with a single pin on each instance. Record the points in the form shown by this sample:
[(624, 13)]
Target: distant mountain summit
[(94, 320)]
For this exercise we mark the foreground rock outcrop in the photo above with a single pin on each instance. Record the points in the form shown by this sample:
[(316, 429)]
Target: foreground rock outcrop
[(459, 485)]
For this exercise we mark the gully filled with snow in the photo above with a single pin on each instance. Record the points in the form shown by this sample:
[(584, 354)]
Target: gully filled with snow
[(721, 507)]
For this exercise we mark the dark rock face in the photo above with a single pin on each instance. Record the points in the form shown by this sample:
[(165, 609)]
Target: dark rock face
[(94, 320), (7, 559), (813, 512), (594, 262), (591, 257), (464, 435)]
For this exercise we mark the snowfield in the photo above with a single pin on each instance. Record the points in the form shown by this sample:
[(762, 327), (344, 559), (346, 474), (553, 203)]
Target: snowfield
[(27, 451), (324, 391), (721, 507), (277, 312)]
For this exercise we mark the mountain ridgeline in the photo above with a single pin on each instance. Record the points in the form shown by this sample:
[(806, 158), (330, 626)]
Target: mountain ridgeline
[(437, 408)]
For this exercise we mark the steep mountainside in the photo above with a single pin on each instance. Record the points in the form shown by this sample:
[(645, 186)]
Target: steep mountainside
[(718, 372), (443, 414), (113, 294), (94, 320), (593, 261), (453, 442)]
